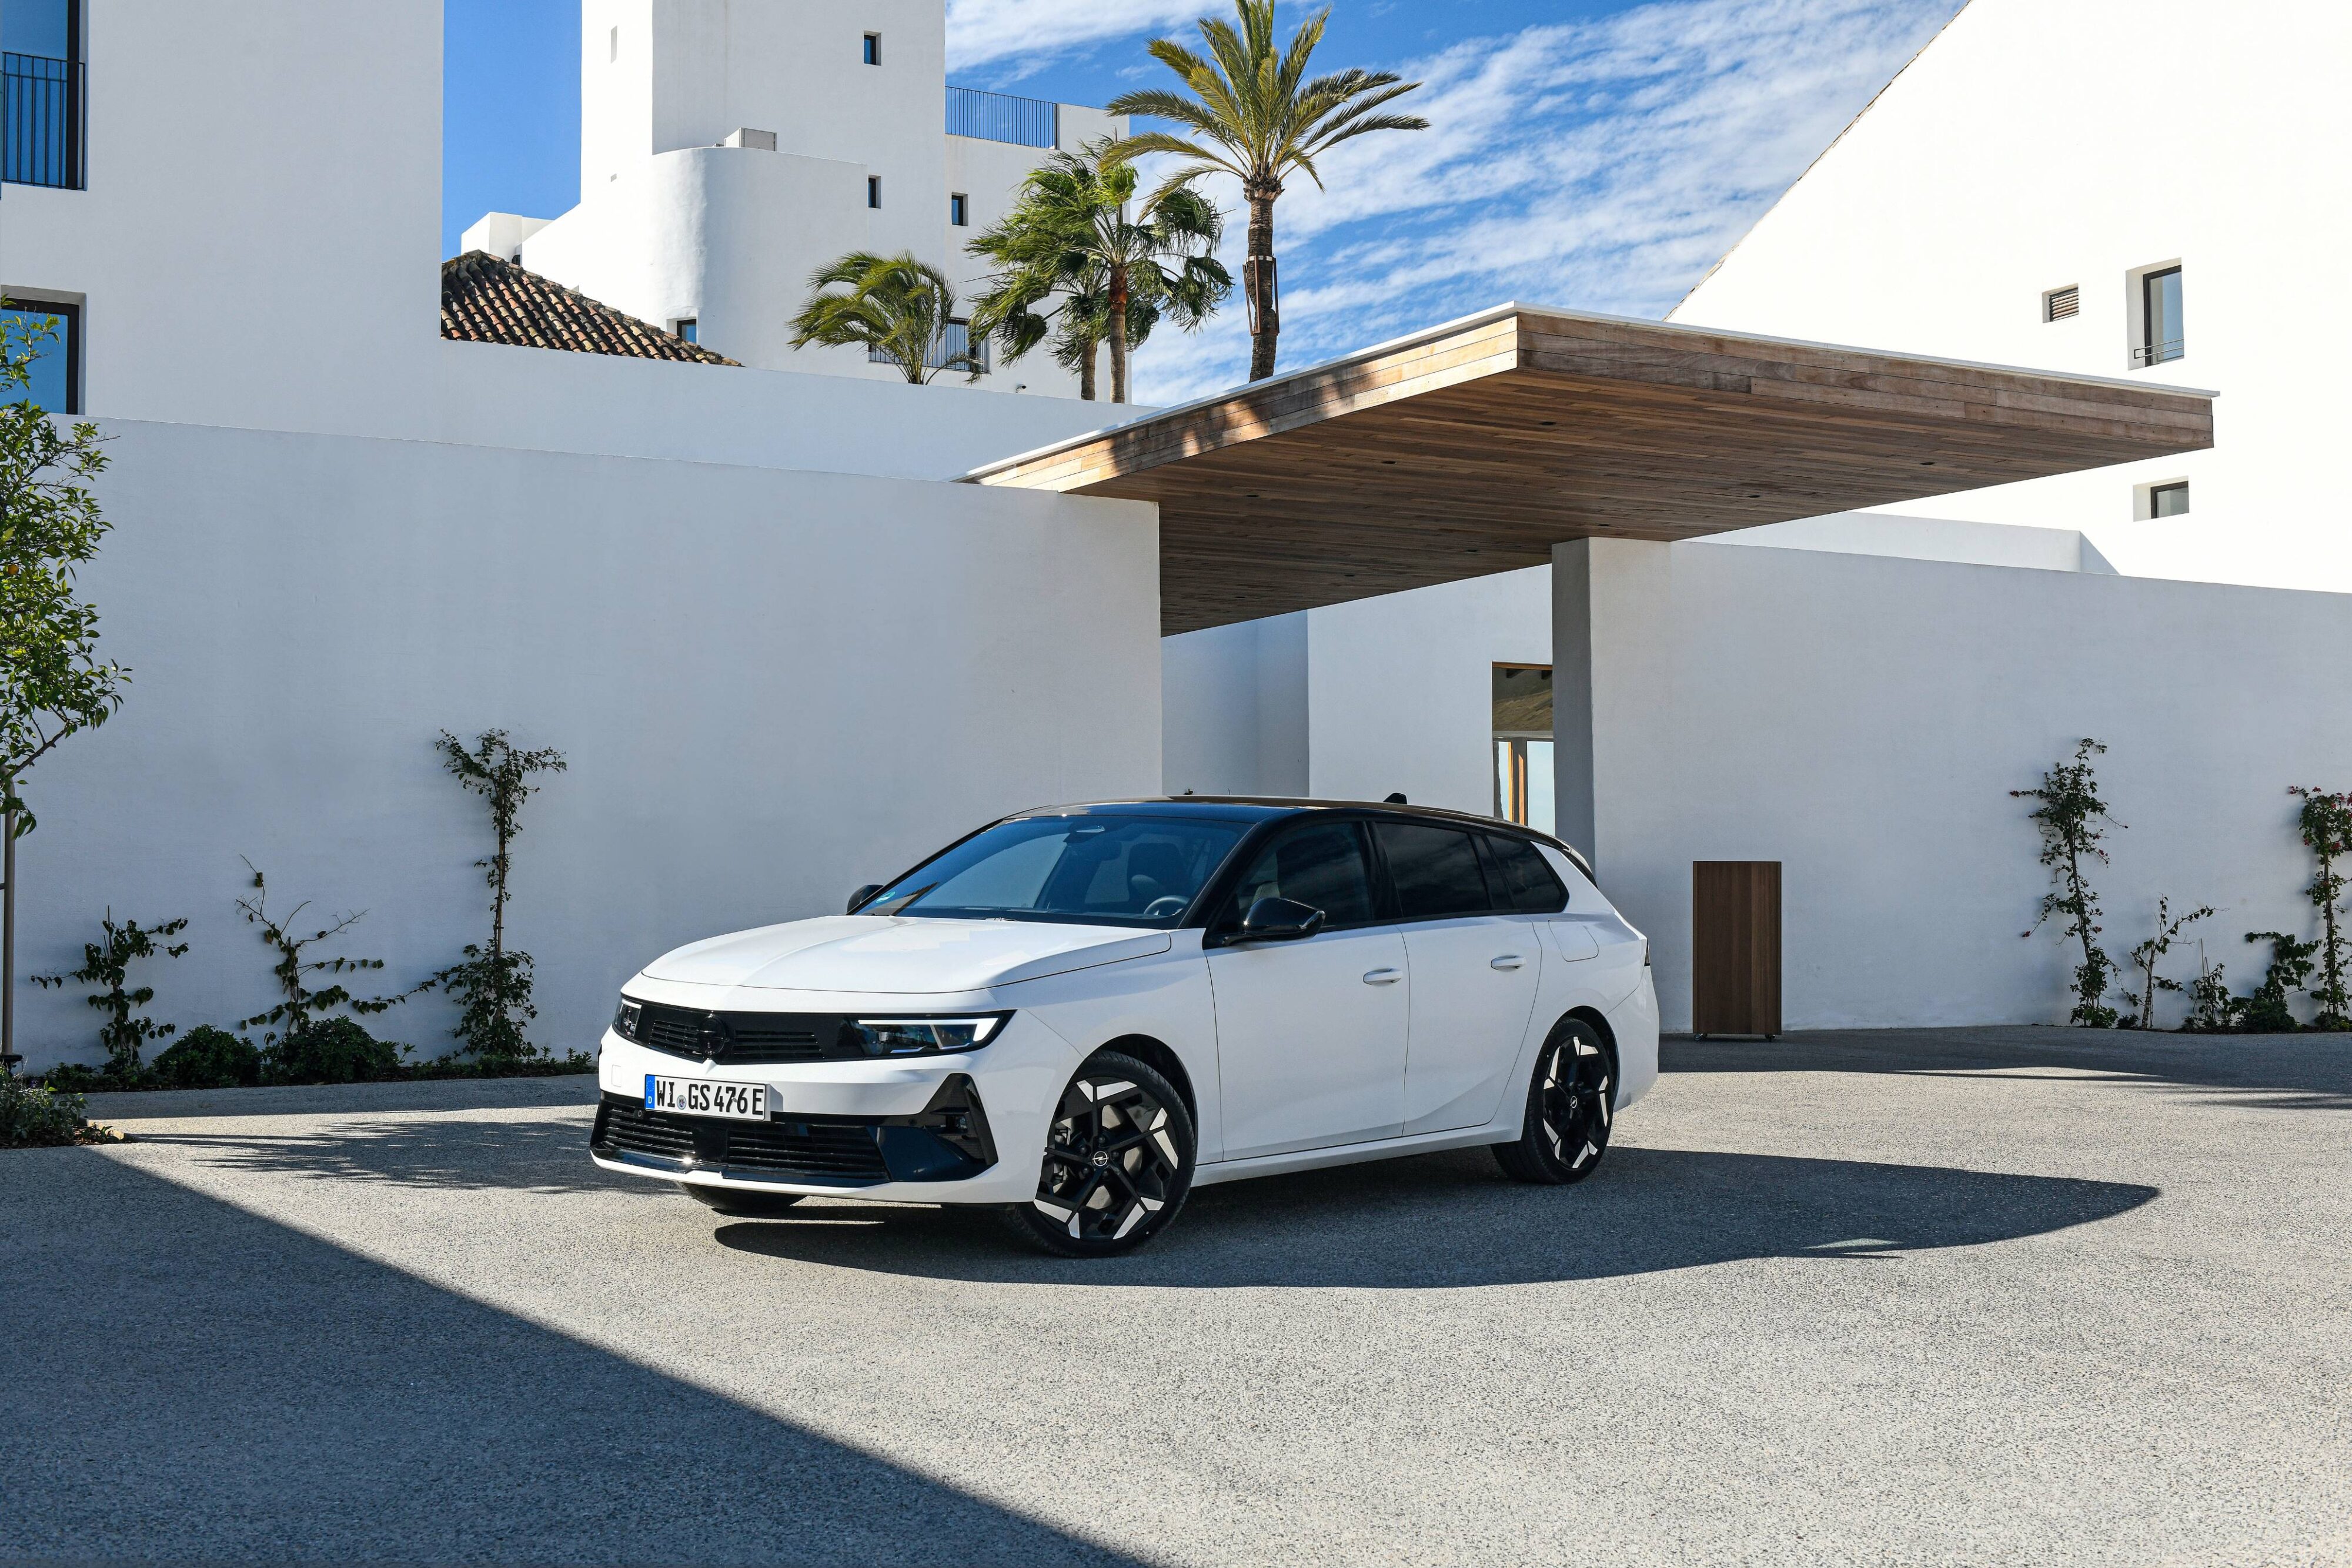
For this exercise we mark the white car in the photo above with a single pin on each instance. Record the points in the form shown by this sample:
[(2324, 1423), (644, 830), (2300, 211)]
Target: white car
[(1079, 1014)]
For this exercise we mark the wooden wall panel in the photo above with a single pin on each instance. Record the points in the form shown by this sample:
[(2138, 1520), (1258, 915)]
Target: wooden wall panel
[(1736, 948)]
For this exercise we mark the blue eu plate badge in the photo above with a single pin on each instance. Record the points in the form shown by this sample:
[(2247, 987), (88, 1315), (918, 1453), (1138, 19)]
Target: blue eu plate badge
[(649, 1090)]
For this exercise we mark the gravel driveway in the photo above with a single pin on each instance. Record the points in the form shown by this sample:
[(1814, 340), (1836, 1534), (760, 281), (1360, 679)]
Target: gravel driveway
[(2012, 1296)]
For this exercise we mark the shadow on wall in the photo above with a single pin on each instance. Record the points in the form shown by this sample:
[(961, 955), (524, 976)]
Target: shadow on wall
[(1450, 1220), (2276, 1072), (210, 1385)]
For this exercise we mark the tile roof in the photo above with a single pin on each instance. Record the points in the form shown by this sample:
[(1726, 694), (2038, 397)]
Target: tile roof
[(487, 300)]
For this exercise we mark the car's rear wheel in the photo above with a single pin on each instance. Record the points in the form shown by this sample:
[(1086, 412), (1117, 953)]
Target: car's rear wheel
[(1118, 1161), (739, 1204), (1570, 1104)]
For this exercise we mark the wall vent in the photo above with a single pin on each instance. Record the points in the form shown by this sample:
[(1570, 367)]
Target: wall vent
[(2060, 303)]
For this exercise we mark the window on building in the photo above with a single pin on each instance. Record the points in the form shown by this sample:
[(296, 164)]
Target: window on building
[(2169, 500), (873, 190), (2063, 304), (960, 210), (873, 48), (2160, 334), (41, 100), (1523, 745), (56, 359), (688, 327)]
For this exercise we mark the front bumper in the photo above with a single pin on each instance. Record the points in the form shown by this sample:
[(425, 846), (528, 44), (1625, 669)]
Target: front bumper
[(968, 1128)]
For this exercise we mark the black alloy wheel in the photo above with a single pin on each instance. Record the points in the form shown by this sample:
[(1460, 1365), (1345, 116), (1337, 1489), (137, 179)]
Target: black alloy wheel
[(1118, 1163), (738, 1203), (1570, 1100)]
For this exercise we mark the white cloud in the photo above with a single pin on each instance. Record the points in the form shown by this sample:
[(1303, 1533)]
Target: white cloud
[(983, 31), (1601, 165)]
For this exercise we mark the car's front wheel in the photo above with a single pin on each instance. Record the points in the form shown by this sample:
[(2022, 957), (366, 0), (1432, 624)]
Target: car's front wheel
[(1570, 1102), (1118, 1161)]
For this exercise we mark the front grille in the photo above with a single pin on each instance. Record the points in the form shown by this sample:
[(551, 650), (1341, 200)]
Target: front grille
[(792, 1149), (741, 1039)]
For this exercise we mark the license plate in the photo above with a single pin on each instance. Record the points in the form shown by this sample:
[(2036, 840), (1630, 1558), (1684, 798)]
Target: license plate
[(700, 1097)]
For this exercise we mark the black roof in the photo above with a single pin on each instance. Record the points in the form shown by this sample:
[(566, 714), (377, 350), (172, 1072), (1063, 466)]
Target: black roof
[(1265, 809)]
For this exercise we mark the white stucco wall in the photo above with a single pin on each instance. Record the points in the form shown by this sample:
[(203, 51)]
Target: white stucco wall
[(2037, 145), (1863, 719), (772, 688), (1236, 709)]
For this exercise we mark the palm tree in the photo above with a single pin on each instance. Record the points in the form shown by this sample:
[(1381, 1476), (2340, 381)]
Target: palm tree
[(1252, 114), (894, 305), (1070, 235)]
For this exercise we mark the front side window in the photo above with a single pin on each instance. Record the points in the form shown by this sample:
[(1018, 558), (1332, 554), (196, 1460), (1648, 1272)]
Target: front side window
[(1089, 870), (1323, 866), (2161, 337), (1435, 871), (40, 93), (53, 333)]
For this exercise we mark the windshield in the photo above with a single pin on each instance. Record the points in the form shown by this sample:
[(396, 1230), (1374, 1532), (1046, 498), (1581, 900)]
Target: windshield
[(1107, 870)]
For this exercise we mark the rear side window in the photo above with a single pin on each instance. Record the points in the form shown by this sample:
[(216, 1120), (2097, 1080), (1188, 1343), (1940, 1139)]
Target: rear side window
[(1527, 883), (1435, 871), (1322, 866)]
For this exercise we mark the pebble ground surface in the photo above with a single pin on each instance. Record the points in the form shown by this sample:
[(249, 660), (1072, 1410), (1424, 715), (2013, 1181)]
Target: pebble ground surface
[(1987, 1296)]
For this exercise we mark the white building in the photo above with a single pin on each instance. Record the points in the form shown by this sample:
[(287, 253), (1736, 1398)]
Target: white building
[(728, 150)]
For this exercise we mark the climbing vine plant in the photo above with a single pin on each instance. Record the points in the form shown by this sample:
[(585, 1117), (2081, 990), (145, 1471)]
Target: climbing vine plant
[(2325, 820), (2069, 814), (493, 987)]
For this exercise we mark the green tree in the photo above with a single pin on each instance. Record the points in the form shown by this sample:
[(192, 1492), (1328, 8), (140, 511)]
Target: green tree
[(52, 683), (893, 305), (1072, 237), (1250, 112), (2326, 823), (2069, 817), (494, 987)]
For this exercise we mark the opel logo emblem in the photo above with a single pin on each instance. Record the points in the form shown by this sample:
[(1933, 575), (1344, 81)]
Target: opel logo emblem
[(1101, 1158)]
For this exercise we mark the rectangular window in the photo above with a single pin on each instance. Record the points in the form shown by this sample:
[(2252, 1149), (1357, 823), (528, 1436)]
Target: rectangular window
[(960, 210), (56, 359), (2160, 336), (873, 190), (2063, 304), (41, 93), (873, 48), (2169, 500), (688, 327)]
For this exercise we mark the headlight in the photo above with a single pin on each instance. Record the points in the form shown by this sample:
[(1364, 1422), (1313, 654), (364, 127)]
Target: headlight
[(624, 1021), (923, 1036)]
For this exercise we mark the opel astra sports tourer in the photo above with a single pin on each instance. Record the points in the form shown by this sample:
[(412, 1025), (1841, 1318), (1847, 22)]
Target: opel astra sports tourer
[(1077, 1015)]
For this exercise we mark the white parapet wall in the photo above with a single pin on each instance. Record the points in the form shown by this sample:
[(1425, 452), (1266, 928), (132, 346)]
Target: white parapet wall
[(1863, 719), (771, 686)]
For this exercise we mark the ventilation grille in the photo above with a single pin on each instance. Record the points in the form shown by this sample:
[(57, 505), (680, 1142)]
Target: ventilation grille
[(2060, 303)]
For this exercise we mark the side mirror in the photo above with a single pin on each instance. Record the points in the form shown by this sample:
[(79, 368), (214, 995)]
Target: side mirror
[(861, 895), (1280, 920)]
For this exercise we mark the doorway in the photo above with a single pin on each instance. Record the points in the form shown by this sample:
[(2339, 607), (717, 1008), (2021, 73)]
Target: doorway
[(1523, 745)]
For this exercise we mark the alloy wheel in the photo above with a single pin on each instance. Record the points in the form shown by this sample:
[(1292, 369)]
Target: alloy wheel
[(1113, 1159), (1573, 1105)]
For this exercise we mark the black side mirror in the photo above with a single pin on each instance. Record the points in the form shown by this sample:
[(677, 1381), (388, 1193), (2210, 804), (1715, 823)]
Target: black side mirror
[(1280, 920), (861, 895)]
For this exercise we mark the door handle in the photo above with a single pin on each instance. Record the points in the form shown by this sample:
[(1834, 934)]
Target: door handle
[(1384, 977), (1507, 961)]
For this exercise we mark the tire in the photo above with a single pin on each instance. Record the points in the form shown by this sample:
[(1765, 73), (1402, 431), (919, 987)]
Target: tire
[(1116, 1166), (741, 1205), (1570, 1102)]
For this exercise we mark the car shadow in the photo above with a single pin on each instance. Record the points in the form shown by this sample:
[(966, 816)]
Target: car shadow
[(2291, 1071), (542, 1154), (1451, 1220)]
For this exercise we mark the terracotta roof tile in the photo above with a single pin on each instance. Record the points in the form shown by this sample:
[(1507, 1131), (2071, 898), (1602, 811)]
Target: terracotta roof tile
[(487, 300)]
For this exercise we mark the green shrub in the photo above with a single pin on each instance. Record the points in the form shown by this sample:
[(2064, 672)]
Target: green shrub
[(41, 1118), (331, 1051), (207, 1058)]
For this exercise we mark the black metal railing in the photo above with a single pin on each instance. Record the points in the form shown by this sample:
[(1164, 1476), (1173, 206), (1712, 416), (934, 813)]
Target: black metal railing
[(40, 121), (998, 117), (949, 351), (2158, 353)]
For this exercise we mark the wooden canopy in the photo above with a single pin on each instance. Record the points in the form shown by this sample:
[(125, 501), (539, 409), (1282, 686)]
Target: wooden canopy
[(1477, 446)]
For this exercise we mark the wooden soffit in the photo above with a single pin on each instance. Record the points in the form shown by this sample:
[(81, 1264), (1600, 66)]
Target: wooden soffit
[(1477, 447)]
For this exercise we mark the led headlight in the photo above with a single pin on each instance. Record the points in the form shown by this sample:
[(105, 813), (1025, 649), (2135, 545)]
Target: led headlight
[(923, 1036), (624, 1021)]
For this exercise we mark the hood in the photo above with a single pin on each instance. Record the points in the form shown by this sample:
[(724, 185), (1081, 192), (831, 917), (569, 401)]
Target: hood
[(869, 953)]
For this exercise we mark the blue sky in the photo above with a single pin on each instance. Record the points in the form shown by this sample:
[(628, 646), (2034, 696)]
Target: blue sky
[(1593, 153)]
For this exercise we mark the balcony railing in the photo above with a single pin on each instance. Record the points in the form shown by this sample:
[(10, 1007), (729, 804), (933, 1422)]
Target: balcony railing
[(2158, 353), (40, 121), (997, 116), (947, 352)]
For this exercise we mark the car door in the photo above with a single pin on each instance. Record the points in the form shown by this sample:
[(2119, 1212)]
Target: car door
[(1475, 962), (1311, 1032)]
